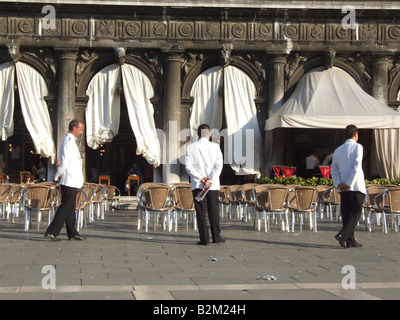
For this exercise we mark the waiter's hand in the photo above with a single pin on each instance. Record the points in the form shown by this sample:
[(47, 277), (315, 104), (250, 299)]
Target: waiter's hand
[(343, 187)]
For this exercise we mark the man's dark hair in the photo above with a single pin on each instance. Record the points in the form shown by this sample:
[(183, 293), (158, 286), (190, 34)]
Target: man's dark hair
[(202, 127), (74, 123), (350, 131)]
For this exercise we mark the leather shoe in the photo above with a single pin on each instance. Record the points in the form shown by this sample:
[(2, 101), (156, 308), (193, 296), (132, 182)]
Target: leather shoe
[(51, 237), (354, 244), (201, 243), (78, 237), (341, 241), (222, 240)]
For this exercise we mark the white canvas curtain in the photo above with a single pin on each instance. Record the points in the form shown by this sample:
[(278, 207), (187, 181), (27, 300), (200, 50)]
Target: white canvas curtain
[(6, 100), (243, 135), (138, 92), (207, 104), (387, 143), (103, 109), (32, 89)]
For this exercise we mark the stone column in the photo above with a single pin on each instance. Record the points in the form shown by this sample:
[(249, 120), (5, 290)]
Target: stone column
[(172, 113), (380, 78), (66, 92), (276, 83)]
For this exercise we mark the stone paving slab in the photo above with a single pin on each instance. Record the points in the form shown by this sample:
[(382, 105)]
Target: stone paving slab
[(118, 262)]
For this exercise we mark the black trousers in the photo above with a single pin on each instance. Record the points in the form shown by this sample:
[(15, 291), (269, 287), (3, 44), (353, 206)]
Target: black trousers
[(65, 213), (351, 209), (213, 215)]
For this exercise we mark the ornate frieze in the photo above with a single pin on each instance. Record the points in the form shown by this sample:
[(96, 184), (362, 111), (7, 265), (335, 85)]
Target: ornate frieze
[(251, 32)]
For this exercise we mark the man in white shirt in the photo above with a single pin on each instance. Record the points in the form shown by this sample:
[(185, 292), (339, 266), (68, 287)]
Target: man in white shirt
[(203, 163), (69, 175), (348, 177), (312, 163)]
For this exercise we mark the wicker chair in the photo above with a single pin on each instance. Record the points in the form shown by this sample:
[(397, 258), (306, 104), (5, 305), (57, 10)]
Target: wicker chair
[(231, 192), (5, 197), (80, 209), (38, 198), (322, 205), (16, 199), (246, 199), (372, 204), (331, 198), (272, 200), (390, 207), (154, 197), (305, 202), (223, 200), (113, 195), (183, 203)]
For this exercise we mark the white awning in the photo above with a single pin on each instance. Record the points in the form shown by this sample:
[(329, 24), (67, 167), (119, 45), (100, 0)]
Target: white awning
[(332, 99)]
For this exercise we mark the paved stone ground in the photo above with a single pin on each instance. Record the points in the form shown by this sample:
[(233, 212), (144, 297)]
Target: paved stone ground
[(118, 262)]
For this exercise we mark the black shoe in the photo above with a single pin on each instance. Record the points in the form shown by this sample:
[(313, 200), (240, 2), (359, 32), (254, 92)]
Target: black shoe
[(51, 237), (354, 244), (201, 243), (222, 240), (78, 237), (342, 242)]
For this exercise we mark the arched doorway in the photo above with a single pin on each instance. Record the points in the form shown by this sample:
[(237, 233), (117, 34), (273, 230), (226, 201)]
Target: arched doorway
[(224, 98), (26, 129), (120, 124)]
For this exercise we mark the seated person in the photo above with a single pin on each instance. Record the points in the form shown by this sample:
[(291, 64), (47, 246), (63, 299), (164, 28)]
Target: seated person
[(312, 164), (134, 171), (41, 173)]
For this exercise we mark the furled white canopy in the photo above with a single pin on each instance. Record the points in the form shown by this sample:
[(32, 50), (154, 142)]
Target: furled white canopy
[(32, 89), (332, 99), (103, 109), (242, 136)]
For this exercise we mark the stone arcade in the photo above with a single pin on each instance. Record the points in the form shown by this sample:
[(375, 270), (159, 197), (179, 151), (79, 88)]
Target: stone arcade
[(273, 42)]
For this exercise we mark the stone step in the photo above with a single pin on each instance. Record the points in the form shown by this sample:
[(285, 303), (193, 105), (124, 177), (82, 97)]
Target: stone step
[(127, 202)]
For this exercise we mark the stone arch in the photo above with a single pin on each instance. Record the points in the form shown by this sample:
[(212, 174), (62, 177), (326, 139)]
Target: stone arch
[(214, 60), (394, 89), (45, 64), (339, 62), (101, 62)]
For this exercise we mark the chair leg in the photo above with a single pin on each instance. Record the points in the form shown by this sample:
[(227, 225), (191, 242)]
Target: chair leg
[(27, 218)]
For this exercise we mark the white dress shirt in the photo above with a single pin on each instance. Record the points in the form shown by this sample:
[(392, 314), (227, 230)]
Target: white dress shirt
[(347, 166), (312, 162), (70, 168), (204, 159)]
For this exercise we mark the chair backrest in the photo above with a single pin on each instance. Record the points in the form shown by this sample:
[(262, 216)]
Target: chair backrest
[(104, 178), (393, 196), (277, 197), (232, 191), (39, 196), (17, 192), (331, 195), (157, 196), (183, 197), (223, 197), (272, 197), (373, 191), (81, 198), (305, 197), (5, 192), (246, 190), (321, 190), (90, 191)]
